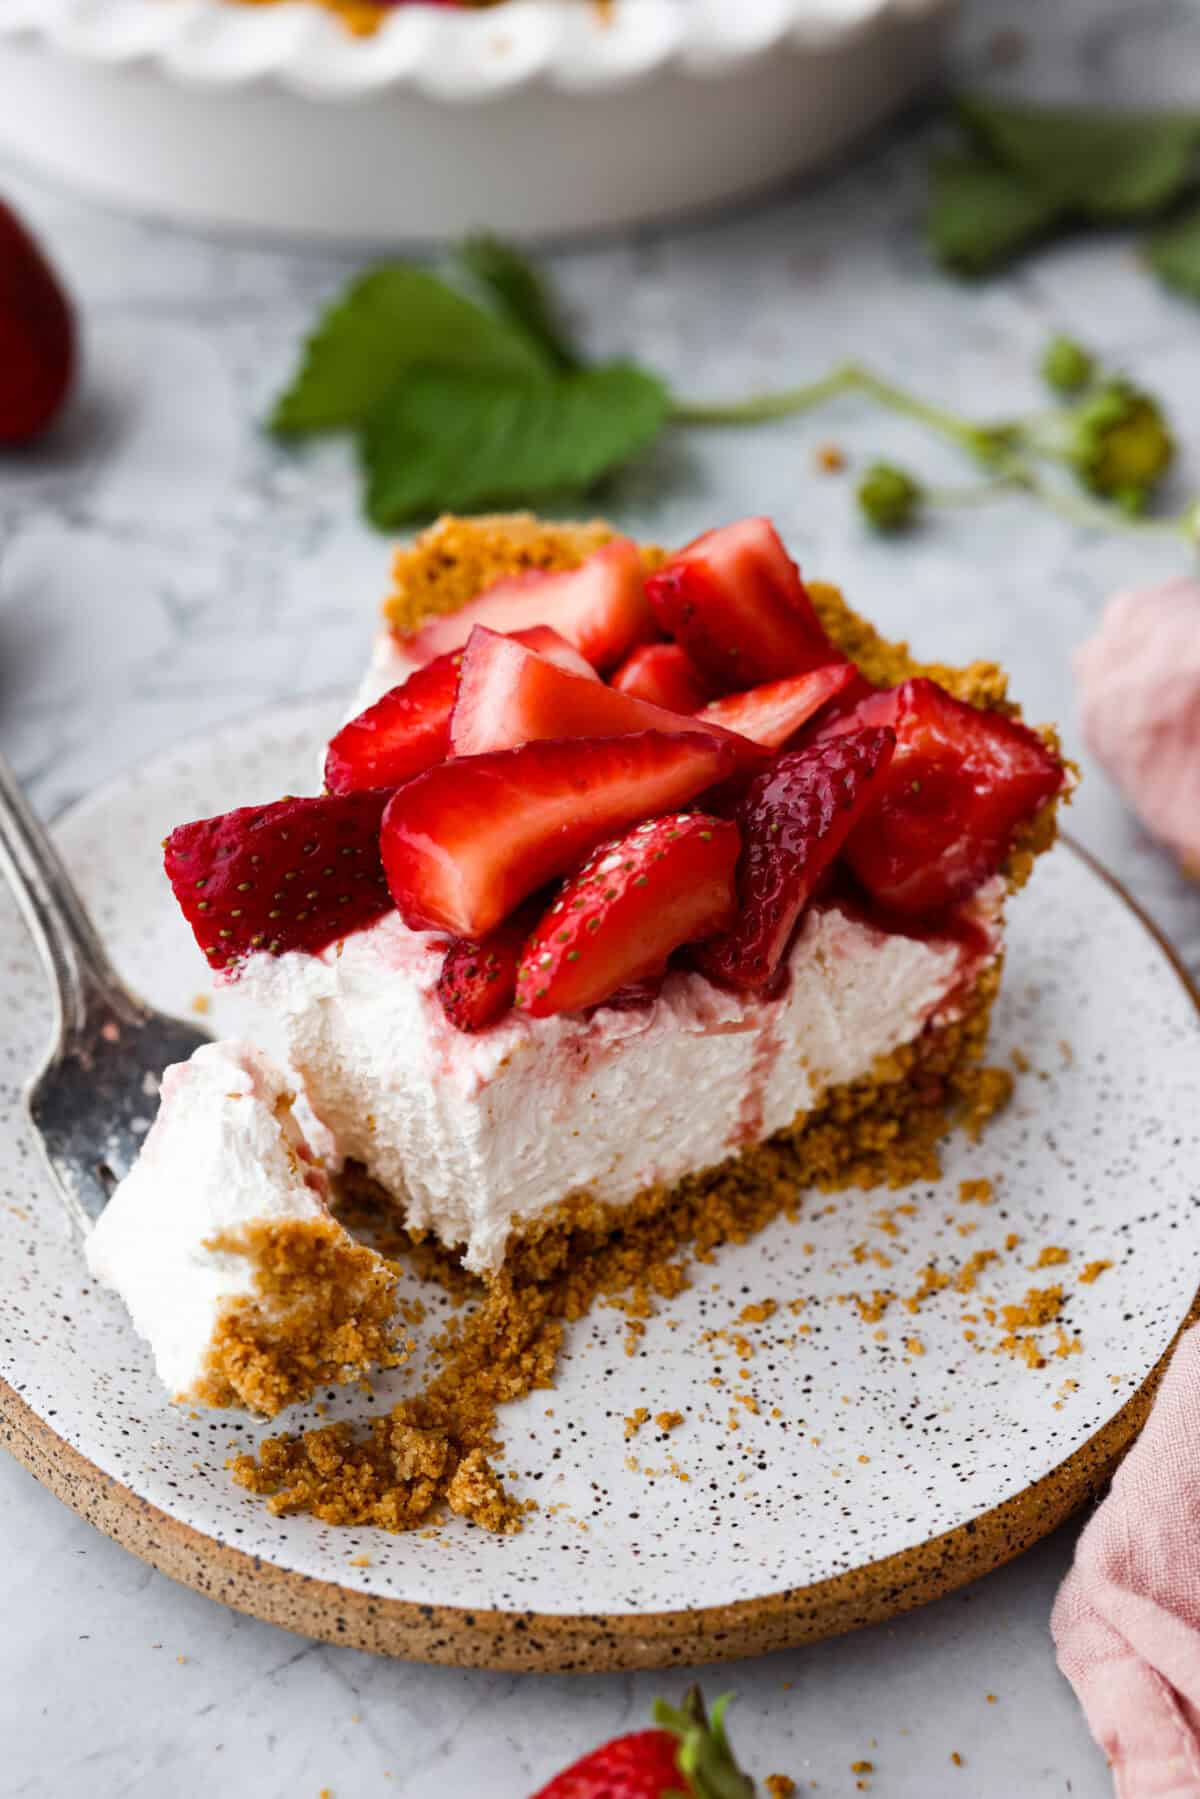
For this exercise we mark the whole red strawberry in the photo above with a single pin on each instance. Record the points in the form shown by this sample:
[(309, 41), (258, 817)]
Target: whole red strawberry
[(687, 1757), (37, 336)]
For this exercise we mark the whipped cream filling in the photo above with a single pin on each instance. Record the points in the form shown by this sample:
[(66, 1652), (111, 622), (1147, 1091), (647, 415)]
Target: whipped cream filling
[(224, 1152), (474, 1134), (390, 664)]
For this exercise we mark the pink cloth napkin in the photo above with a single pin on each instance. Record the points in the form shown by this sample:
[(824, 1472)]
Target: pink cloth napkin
[(1127, 1619), (1139, 703)]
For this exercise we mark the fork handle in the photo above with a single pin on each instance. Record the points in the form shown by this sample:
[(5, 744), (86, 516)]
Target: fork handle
[(67, 940)]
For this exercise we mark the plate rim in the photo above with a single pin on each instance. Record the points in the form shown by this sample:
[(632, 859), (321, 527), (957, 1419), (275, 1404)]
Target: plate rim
[(588, 1642)]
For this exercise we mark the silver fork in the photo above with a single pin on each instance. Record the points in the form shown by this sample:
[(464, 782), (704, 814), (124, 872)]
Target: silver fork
[(92, 1102)]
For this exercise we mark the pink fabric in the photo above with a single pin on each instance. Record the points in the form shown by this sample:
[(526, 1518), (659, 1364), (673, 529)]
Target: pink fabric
[(1127, 1619), (1139, 701)]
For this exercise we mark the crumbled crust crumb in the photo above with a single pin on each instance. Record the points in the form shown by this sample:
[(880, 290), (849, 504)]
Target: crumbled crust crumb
[(1041, 1305), (322, 1312)]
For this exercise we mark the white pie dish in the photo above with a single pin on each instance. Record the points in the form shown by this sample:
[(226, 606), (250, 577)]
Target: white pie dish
[(536, 118)]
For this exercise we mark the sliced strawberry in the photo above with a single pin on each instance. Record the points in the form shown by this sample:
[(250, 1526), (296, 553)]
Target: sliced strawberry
[(735, 601), (600, 607), (294, 875), (508, 696), (553, 646), (961, 783), (404, 732), (409, 728), (829, 721), (794, 819), (478, 982), (636, 898), (665, 675), (771, 714), (466, 841)]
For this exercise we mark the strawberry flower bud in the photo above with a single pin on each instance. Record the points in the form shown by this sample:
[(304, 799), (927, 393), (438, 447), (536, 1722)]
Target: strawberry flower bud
[(1119, 445), (1066, 366), (889, 498)]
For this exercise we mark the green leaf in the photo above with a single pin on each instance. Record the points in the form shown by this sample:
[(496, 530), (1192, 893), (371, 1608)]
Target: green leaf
[(1174, 253), (1106, 165), (981, 215), (390, 320), (521, 294), (457, 439)]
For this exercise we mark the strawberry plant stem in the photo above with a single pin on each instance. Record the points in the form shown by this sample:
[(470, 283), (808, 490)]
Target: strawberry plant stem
[(1005, 449), (849, 377), (1079, 511)]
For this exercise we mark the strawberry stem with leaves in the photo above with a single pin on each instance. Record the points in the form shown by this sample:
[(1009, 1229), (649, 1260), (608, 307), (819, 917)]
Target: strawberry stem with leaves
[(705, 1756)]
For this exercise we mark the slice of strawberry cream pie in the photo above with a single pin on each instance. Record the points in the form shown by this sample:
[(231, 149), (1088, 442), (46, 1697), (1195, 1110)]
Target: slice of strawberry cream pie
[(639, 882)]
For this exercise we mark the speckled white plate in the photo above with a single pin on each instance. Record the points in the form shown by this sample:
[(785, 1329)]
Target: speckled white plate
[(869, 1477)]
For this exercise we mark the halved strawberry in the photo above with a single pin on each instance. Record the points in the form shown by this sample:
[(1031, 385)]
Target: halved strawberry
[(794, 818), (508, 696), (961, 783), (665, 675), (669, 881), (735, 601), (600, 607), (771, 714), (409, 728), (465, 842), (478, 981), (294, 875), (404, 732)]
